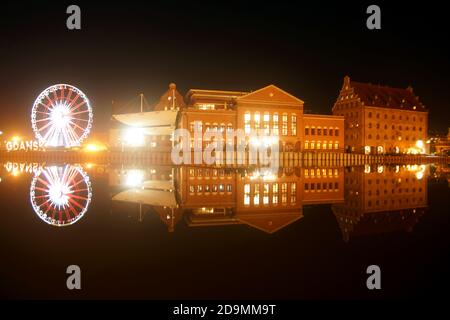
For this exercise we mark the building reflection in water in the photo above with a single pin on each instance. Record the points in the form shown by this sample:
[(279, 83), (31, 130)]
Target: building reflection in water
[(60, 195), (381, 199), (365, 200)]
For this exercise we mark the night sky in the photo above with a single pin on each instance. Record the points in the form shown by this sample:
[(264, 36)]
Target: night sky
[(306, 48)]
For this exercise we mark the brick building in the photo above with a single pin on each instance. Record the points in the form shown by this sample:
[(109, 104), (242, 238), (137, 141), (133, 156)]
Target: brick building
[(381, 120)]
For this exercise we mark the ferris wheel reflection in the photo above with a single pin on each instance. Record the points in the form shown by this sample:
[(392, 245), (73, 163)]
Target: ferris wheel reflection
[(60, 195)]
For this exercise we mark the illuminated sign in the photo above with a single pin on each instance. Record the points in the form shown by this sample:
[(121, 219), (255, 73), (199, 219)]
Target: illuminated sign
[(16, 168), (21, 145)]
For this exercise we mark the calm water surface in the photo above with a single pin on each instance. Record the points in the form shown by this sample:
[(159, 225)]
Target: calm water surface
[(198, 233)]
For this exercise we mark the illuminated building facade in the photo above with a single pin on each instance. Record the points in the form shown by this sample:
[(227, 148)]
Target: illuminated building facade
[(269, 110), (381, 120)]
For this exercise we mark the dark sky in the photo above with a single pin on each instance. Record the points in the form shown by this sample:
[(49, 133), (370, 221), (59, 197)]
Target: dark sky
[(304, 47)]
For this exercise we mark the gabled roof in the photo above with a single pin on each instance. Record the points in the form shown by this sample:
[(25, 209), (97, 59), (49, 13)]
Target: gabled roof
[(269, 222), (271, 94), (384, 96)]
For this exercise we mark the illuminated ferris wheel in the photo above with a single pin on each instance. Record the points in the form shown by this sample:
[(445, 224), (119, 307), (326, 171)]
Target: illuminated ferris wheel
[(60, 195), (61, 116)]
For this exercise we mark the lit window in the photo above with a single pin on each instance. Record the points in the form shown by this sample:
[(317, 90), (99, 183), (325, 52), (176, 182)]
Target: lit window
[(275, 124), (266, 193), (293, 192), (247, 194), (266, 120), (256, 195), (284, 193), (306, 144), (284, 128), (257, 120), (247, 118), (275, 193), (207, 107), (336, 145), (294, 125)]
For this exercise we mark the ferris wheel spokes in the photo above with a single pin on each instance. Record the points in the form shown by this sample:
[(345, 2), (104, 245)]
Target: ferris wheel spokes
[(60, 120)]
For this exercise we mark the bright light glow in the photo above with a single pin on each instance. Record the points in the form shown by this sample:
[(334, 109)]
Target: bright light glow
[(16, 138), (93, 147), (419, 144), (367, 150), (134, 178), (134, 137), (61, 116)]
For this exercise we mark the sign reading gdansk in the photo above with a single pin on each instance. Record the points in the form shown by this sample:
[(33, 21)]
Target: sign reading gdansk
[(21, 145)]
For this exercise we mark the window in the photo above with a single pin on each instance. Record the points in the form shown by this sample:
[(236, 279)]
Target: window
[(247, 194), (325, 131), (330, 132), (319, 131), (284, 193), (256, 195), (247, 122), (370, 114), (336, 132), (284, 127), (306, 144), (257, 120), (275, 124), (307, 131), (266, 193), (266, 120), (293, 192), (313, 131), (275, 193), (191, 173), (294, 124), (191, 189), (336, 145)]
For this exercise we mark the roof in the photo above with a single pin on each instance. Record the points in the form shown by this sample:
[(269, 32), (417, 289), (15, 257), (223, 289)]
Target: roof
[(269, 95), (385, 97)]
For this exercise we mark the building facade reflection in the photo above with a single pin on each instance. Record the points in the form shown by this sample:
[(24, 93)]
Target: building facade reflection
[(381, 199)]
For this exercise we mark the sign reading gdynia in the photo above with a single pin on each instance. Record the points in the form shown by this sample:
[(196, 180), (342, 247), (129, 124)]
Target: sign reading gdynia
[(23, 145)]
